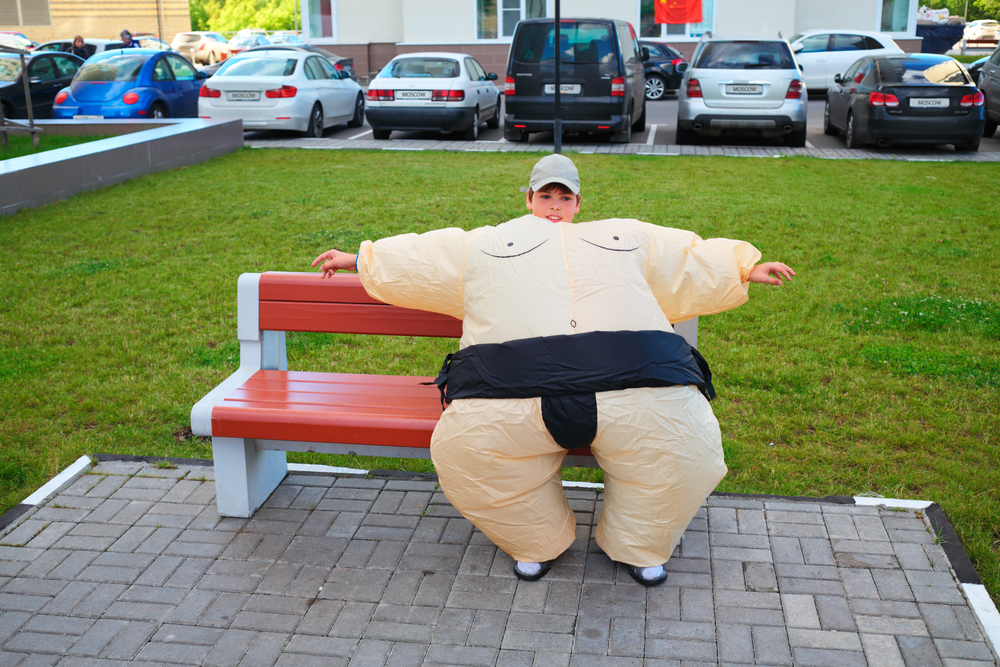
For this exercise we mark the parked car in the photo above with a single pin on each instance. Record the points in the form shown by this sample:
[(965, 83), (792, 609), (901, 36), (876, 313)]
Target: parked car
[(742, 88), (437, 91), (661, 69), (202, 47), (823, 54), (341, 64), (12, 41), (981, 29), (132, 83), (286, 37), (975, 68), (913, 98), (283, 89), (241, 43), (23, 41), (47, 74), (989, 83), (91, 45), (602, 85), (149, 41)]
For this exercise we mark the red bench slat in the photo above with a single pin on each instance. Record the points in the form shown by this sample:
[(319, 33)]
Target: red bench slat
[(359, 318)]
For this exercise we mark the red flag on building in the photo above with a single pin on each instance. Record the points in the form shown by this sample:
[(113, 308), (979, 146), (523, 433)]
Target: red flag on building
[(677, 11)]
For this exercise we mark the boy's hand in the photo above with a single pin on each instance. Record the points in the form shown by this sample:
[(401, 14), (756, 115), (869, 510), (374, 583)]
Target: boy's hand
[(770, 273), (334, 260)]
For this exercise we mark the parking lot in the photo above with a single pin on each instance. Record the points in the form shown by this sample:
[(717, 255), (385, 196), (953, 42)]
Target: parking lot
[(661, 128)]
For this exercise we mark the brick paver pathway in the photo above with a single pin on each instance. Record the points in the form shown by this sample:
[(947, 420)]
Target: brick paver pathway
[(131, 564), (903, 154)]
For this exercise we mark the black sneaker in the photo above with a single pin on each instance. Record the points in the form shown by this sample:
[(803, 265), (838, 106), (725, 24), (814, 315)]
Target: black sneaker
[(636, 573), (546, 566)]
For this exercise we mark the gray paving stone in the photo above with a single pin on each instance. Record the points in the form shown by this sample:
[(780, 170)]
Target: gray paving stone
[(810, 657), (129, 641), (230, 648), (918, 652)]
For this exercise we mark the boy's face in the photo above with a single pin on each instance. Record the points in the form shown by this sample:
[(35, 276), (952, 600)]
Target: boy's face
[(553, 206)]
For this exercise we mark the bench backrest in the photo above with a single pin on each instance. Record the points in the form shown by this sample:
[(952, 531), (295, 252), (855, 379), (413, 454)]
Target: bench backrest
[(307, 302)]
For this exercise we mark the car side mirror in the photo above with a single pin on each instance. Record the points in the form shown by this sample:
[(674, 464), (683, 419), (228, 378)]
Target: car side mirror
[(644, 53), (492, 76), (201, 75), (681, 67), (796, 48), (838, 79)]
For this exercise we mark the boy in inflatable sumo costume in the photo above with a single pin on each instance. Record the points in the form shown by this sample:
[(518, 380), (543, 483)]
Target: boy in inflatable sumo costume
[(567, 342)]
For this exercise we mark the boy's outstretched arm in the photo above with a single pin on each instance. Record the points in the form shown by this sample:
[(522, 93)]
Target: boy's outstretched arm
[(769, 273), (334, 260)]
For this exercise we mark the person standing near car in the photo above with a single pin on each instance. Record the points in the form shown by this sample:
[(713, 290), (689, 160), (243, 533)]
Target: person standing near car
[(77, 48), (127, 41)]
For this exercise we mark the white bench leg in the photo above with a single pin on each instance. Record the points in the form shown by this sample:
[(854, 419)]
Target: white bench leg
[(244, 476)]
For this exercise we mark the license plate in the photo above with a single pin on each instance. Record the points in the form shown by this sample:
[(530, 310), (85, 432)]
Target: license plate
[(243, 97), (928, 102), (744, 89), (81, 117), (564, 89), (413, 94)]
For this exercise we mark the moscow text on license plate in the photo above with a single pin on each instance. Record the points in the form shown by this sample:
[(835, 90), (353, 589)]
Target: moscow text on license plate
[(928, 102), (744, 89), (413, 94), (243, 97), (84, 117), (564, 89)]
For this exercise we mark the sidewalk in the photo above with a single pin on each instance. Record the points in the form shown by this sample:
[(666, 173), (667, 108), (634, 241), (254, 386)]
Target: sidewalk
[(906, 155), (129, 563)]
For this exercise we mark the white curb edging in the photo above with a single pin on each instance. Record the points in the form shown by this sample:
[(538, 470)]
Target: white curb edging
[(58, 481), (582, 485), (986, 612), (312, 467), (893, 502)]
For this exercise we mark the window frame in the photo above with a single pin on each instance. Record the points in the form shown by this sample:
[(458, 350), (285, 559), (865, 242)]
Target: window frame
[(686, 36), (21, 12), (500, 38), (911, 22)]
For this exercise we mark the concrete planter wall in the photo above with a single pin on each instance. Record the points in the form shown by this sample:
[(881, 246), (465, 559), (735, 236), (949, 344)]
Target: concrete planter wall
[(142, 147)]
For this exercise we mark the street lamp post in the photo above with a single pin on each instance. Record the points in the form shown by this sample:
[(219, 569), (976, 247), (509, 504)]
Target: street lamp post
[(557, 47)]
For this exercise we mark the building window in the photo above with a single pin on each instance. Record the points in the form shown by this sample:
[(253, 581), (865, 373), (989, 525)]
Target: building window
[(321, 19), (24, 12), (648, 29), (895, 16), (496, 19)]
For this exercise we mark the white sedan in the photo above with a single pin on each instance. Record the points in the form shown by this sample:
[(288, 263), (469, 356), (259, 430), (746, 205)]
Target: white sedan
[(439, 91), (823, 54), (282, 90), (981, 29)]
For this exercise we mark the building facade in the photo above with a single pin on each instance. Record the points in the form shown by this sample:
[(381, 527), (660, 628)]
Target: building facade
[(44, 20), (373, 32)]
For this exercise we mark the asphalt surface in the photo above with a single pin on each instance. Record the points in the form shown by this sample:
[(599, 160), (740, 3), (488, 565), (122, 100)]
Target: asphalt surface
[(661, 130)]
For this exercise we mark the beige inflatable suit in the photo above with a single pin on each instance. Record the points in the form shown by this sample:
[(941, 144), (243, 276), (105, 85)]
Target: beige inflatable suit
[(660, 447)]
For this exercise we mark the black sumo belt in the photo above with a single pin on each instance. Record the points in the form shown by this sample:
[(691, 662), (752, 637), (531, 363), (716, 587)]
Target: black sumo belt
[(566, 372)]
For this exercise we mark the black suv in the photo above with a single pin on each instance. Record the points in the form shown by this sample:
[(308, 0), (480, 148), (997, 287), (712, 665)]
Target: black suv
[(601, 79)]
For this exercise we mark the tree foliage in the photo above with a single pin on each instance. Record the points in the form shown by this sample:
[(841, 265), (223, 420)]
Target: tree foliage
[(978, 9), (231, 15)]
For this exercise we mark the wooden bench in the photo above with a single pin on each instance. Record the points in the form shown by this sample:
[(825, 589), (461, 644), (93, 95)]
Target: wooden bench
[(264, 410)]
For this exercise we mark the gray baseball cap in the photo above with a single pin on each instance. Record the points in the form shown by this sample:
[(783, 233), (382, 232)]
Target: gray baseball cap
[(555, 168)]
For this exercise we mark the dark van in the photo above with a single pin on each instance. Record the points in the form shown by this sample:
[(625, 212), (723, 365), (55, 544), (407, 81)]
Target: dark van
[(601, 79)]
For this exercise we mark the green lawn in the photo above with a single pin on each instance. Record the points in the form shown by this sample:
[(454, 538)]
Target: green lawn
[(875, 371), (19, 143)]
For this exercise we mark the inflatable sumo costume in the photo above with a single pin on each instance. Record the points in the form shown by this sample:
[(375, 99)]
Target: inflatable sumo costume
[(567, 342)]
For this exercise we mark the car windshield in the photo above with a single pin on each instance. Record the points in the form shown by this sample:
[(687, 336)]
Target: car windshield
[(745, 55), (10, 68), (438, 68), (260, 67), (913, 71), (582, 42), (115, 68), (244, 41)]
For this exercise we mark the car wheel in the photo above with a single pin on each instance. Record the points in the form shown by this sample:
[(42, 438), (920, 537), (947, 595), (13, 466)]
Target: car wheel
[(158, 111), (685, 137), (989, 128), (828, 128), (472, 133), (967, 148), (381, 135), (359, 112), (851, 136), (796, 139), (494, 123), (315, 127), (640, 125), (656, 87), (211, 58), (624, 136)]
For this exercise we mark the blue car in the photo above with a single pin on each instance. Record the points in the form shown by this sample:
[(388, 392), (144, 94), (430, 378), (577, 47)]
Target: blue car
[(132, 83)]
